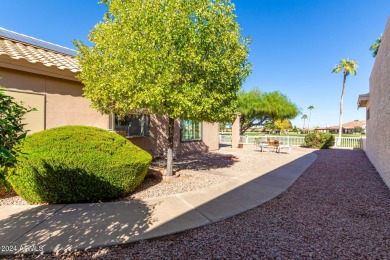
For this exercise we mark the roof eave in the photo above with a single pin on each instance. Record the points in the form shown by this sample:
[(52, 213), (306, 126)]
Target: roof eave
[(363, 100), (37, 68)]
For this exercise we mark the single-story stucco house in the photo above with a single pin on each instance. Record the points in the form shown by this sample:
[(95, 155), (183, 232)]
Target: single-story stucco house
[(42, 75), (377, 106), (347, 128)]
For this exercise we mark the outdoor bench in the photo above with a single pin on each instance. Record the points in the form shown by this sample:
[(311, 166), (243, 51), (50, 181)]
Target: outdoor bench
[(280, 147), (277, 147)]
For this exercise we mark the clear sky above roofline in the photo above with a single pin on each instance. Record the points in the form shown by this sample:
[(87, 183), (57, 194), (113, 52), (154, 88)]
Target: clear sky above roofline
[(294, 48)]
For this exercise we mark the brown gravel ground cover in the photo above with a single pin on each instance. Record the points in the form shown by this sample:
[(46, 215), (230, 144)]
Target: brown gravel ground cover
[(338, 209), (195, 171)]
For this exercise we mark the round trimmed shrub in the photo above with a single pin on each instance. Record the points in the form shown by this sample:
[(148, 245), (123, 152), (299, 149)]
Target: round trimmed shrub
[(77, 164), (319, 140)]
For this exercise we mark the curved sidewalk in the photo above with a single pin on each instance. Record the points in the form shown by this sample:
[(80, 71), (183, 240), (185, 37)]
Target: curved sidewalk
[(52, 228)]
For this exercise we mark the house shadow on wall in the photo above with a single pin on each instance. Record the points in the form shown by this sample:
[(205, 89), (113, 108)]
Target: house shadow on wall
[(156, 141)]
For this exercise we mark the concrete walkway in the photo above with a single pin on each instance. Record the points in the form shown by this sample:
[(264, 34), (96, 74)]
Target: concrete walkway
[(52, 228)]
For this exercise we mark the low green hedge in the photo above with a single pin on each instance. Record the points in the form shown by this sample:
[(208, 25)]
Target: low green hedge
[(77, 164), (319, 140)]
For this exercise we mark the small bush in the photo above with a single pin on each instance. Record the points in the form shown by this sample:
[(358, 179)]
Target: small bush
[(77, 164), (319, 140)]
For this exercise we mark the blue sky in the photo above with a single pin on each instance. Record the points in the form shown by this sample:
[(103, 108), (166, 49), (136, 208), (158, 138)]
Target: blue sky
[(295, 44)]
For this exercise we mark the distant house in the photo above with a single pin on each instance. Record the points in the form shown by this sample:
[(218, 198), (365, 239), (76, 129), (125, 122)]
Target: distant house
[(42, 75), (347, 128), (378, 110)]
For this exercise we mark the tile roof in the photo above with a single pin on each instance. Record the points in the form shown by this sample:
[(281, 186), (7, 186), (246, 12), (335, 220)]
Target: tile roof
[(349, 125), (353, 124), (35, 51), (4, 33)]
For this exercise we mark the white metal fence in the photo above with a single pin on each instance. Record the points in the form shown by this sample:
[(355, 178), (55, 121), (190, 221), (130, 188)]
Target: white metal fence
[(352, 142), (346, 142), (286, 140), (225, 138)]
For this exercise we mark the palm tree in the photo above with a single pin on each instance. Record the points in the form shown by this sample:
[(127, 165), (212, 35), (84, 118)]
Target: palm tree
[(348, 67), (304, 117), (308, 122), (375, 47)]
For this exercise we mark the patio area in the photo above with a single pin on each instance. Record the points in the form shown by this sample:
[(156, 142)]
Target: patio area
[(339, 208)]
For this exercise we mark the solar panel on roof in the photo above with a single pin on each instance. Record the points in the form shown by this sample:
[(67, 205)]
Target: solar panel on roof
[(36, 42)]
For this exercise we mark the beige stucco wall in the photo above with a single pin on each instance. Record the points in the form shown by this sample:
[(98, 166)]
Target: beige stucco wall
[(211, 136), (236, 130), (64, 104), (157, 143), (378, 124), (34, 120)]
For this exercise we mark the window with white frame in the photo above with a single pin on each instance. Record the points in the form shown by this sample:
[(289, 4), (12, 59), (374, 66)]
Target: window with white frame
[(191, 131)]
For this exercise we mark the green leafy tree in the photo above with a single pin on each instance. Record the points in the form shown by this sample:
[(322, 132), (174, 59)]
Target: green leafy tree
[(269, 127), (308, 122), (258, 108), (347, 67), (304, 117), (225, 127), (295, 129), (375, 47), (182, 59), (11, 132), (358, 129), (282, 124)]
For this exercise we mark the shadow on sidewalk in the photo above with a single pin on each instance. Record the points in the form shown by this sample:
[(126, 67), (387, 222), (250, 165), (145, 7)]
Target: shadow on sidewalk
[(105, 224), (84, 225), (246, 195)]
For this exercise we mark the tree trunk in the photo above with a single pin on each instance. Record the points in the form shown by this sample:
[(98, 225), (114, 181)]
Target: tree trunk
[(308, 122), (304, 121), (243, 127), (171, 131), (341, 110)]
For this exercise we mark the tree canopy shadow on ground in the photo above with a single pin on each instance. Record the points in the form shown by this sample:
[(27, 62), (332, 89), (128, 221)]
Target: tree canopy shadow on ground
[(63, 226), (201, 161), (246, 196), (338, 208)]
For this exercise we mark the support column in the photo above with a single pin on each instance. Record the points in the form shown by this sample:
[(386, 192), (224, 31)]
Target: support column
[(236, 131)]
